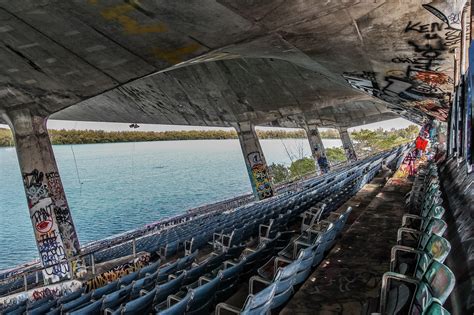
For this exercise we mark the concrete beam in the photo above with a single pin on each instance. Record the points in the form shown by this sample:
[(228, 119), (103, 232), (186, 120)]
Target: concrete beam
[(347, 145), (255, 160), (54, 230), (317, 148)]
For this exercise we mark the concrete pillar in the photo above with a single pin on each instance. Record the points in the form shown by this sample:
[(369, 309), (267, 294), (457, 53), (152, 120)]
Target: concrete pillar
[(347, 145), (317, 148), (255, 160), (53, 227)]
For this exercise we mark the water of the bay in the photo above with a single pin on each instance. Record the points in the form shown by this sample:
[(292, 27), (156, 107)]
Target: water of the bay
[(121, 186)]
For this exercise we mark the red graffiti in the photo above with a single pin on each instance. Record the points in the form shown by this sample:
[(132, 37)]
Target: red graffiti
[(432, 78), (42, 293)]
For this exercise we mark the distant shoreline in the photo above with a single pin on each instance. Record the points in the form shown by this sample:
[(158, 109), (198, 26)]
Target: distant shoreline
[(66, 137)]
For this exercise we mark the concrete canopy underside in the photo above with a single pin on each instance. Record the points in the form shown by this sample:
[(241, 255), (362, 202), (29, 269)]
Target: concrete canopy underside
[(207, 62)]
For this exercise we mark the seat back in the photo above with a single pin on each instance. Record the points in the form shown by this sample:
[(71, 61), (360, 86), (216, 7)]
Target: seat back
[(203, 296), (140, 305), (253, 258), (437, 248), (345, 216), (93, 308), (215, 261), (186, 261), (112, 300), (126, 280), (318, 253), (435, 211), (145, 283), (108, 288), (194, 273), (436, 226), (285, 277), (305, 257), (170, 287), (233, 252), (259, 303), (168, 269), (229, 279), (178, 308), (65, 307), (149, 269), (230, 274), (437, 283), (284, 281)]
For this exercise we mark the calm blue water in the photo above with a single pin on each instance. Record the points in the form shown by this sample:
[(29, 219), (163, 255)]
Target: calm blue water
[(126, 185)]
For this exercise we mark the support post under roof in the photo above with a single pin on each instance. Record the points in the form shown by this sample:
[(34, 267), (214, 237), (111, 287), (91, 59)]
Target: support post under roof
[(255, 160), (54, 229)]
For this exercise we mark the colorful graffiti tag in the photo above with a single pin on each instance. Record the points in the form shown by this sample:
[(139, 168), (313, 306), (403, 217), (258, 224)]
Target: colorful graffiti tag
[(420, 87), (54, 231), (32, 295), (260, 176), (62, 214), (117, 272)]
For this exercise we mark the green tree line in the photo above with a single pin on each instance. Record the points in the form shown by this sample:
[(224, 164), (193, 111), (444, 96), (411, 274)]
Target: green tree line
[(377, 140), (99, 136)]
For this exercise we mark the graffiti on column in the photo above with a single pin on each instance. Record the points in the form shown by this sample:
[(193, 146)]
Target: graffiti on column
[(319, 152), (62, 213), (322, 160), (260, 176), (35, 188), (52, 252), (347, 145), (42, 214)]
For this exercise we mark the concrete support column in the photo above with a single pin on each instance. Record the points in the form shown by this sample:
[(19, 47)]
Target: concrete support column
[(53, 227), (255, 161), (317, 148), (347, 145)]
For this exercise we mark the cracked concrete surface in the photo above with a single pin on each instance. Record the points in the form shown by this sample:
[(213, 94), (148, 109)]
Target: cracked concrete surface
[(213, 63)]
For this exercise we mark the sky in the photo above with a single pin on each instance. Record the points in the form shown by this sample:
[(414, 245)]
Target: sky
[(398, 123)]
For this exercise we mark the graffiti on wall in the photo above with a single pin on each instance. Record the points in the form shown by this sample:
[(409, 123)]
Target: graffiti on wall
[(49, 214), (32, 295), (448, 11), (260, 176), (419, 85), (117, 272)]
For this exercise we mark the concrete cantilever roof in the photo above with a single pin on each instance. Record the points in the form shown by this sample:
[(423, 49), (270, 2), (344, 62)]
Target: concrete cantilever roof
[(215, 62)]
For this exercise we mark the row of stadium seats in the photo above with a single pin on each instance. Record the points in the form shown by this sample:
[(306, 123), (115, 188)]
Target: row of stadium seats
[(228, 233), (418, 281)]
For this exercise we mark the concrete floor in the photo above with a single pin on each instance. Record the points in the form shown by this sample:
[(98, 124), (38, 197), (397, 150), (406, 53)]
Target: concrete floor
[(352, 271)]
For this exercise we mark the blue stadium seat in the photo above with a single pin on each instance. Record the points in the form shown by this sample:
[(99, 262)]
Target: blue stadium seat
[(257, 304)]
